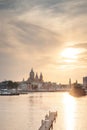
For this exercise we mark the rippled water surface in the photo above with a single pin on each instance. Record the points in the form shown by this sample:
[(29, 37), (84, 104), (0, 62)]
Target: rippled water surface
[(25, 112)]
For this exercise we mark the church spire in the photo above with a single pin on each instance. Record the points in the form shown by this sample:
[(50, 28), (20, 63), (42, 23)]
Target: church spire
[(70, 82), (36, 77), (32, 74), (41, 77)]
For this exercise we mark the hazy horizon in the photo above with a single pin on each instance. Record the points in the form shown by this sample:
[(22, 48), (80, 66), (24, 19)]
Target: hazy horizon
[(48, 35)]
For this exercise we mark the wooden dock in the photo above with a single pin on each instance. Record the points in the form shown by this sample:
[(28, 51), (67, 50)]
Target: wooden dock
[(47, 124)]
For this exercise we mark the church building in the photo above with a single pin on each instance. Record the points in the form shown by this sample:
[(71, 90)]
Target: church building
[(34, 77)]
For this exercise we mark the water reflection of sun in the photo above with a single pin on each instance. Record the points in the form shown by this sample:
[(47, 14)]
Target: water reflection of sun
[(69, 112)]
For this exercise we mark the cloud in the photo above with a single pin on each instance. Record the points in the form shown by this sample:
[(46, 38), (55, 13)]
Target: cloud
[(80, 45), (35, 36), (6, 4), (32, 33), (57, 7), (23, 42)]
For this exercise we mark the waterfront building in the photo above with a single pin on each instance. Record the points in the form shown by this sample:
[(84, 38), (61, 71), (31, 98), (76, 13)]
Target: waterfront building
[(85, 82), (31, 78), (41, 77), (70, 83), (34, 78), (23, 87), (34, 81)]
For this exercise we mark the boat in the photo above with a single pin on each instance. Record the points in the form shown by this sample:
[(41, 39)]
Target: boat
[(77, 90), (6, 92)]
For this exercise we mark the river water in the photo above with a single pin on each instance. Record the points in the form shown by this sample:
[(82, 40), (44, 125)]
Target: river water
[(25, 112)]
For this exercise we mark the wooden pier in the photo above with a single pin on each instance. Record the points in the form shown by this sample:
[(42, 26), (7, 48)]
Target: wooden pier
[(47, 124)]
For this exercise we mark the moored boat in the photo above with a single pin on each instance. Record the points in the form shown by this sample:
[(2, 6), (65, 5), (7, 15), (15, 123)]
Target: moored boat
[(7, 92), (77, 91)]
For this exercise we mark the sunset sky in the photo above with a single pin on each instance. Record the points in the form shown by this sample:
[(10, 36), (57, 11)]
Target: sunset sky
[(48, 35)]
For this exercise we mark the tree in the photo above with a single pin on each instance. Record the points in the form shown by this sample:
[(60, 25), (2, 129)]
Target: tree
[(10, 84), (15, 84)]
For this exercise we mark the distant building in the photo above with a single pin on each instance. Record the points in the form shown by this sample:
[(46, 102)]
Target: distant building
[(31, 78), (23, 87), (41, 77), (34, 81), (34, 78), (85, 82), (70, 82)]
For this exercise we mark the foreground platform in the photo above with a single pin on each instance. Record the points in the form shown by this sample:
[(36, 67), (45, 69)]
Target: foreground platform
[(47, 124)]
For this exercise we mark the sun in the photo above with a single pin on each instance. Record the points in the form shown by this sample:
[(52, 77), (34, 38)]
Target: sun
[(71, 53)]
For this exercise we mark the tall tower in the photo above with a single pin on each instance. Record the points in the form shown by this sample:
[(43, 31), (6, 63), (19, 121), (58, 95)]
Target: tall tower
[(85, 82), (41, 77), (36, 77), (32, 75), (70, 82)]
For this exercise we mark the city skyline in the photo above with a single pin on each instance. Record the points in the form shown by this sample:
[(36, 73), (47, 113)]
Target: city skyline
[(48, 35)]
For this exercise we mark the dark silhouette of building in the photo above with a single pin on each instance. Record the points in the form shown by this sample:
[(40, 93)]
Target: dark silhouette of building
[(34, 78), (85, 82), (41, 77), (32, 75)]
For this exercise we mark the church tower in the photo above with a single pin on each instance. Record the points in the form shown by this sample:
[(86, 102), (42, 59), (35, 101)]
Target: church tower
[(70, 82), (36, 77), (41, 77), (32, 75)]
